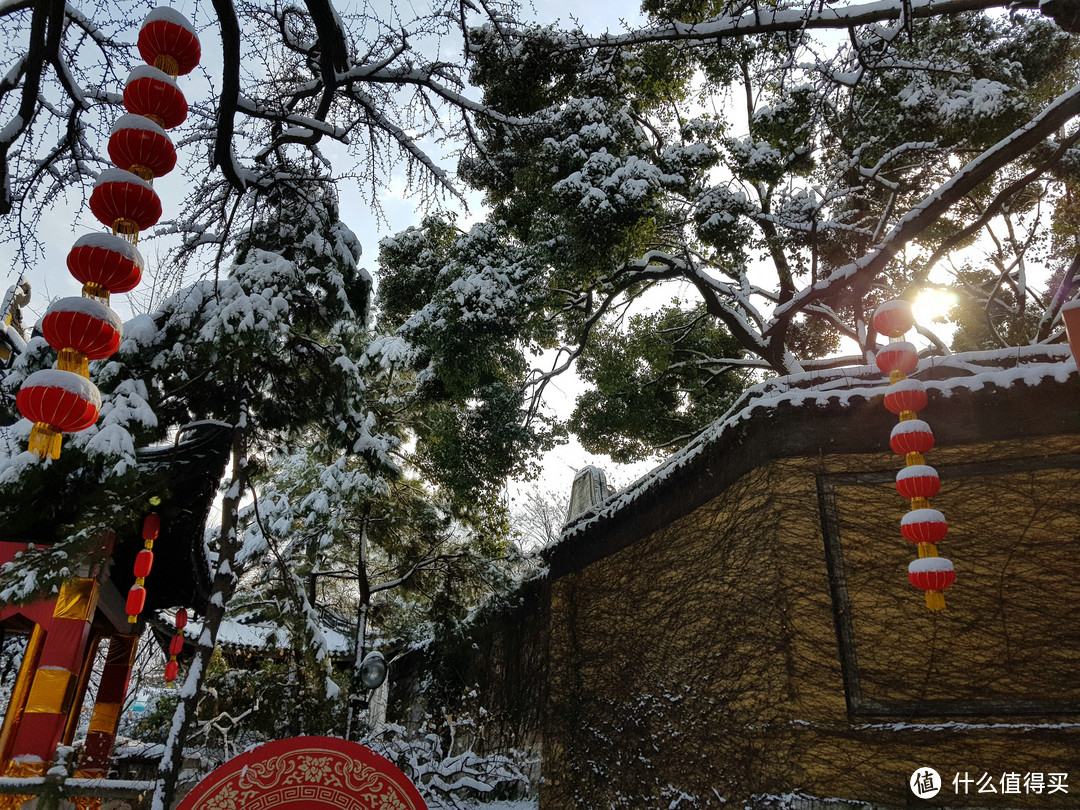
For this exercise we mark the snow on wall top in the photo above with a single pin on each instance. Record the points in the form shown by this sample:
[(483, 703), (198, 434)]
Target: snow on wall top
[(971, 371)]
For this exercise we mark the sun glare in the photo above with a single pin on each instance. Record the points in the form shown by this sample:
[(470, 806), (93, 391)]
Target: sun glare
[(933, 305)]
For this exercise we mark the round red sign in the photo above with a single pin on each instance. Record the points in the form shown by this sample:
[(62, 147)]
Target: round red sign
[(306, 773)]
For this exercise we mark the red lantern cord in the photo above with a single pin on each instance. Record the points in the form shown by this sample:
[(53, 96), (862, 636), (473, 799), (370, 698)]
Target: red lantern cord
[(912, 438)]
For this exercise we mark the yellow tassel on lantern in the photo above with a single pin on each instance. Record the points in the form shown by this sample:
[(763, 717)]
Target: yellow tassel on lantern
[(935, 600), (73, 360), (142, 172), (127, 228), (96, 291), (45, 440), (166, 63)]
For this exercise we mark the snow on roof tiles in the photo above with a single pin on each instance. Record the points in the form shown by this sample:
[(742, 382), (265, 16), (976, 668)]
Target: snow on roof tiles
[(971, 371)]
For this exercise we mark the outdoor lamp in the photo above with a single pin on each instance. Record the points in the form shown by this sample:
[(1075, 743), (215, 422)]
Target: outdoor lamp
[(373, 670)]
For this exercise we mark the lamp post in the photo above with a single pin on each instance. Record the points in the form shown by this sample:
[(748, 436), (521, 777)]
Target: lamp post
[(369, 677)]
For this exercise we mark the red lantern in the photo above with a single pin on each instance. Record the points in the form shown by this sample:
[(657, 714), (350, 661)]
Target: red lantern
[(56, 401), (168, 41), (181, 619), (151, 526), (138, 143), (900, 356), (136, 601), (153, 93), (120, 197), (144, 561), (172, 669), (911, 436), (918, 481), (924, 526), (82, 324), (931, 573), (107, 261), (176, 644), (893, 318), (906, 395)]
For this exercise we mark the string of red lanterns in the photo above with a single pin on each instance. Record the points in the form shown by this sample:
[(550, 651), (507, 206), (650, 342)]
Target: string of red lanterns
[(176, 644), (63, 399), (912, 438), (144, 562)]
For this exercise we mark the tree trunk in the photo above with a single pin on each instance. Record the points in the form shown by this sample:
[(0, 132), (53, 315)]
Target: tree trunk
[(221, 591), (356, 689)]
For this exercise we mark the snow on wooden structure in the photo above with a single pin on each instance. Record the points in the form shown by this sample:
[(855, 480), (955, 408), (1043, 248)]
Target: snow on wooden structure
[(736, 627)]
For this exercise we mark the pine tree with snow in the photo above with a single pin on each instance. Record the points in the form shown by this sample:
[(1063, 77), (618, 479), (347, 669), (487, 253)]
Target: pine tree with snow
[(779, 179)]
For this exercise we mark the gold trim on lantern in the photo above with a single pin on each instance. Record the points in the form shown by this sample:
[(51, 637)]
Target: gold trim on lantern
[(73, 360), (127, 228), (142, 172), (911, 459), (44, 441), (895, 376), (167, 63), (20, 770), (92, 289), (927, 550)]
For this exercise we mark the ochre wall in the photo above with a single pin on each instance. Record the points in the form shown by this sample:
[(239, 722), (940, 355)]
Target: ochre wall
[(703, 660)]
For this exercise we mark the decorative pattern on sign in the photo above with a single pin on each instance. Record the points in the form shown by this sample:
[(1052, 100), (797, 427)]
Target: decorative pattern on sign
[(308, 770)]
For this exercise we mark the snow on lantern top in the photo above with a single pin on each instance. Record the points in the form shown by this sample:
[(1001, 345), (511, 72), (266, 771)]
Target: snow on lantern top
[(107, 261), (120, 196), (153, 93), (893, 318), (169, 42), (141, 146)]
